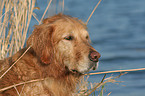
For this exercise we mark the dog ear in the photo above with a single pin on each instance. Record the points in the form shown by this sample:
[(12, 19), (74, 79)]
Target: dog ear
[(42, 44)]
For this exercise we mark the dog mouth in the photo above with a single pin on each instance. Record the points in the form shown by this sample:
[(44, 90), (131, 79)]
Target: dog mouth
[(92, 67), (76, 72), (95, 66)]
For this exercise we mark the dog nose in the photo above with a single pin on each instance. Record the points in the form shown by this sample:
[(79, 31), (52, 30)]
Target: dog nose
[(94, 56)]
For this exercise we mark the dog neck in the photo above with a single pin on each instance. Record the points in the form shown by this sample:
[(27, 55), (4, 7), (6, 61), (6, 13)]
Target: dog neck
[(61, 86), (58, 78)]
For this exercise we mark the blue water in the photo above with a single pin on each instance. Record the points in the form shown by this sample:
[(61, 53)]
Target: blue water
[(117, 31)]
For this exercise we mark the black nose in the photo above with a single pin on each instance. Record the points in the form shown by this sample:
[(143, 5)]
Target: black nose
[(94, 56)]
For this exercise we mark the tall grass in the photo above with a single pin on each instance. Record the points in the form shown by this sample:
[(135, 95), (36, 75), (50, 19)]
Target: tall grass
[(96, 89), (15, 17)]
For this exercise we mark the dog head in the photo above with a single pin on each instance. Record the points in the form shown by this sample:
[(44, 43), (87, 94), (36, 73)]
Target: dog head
[(65, 40)]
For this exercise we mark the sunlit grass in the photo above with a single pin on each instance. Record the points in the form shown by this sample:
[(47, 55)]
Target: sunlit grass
[(15, 17)]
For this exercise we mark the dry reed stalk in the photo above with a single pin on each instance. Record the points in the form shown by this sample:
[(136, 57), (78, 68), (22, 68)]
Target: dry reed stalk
[(93, 11), (63, 6), (95, 86), (14, 23), (34, 15), (116, 71), (45, 11), (109, 93), (15, 62), (22, 83), (98, 85), (17, 90)]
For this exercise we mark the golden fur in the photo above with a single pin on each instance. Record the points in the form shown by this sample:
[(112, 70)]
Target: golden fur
[(59, 54)]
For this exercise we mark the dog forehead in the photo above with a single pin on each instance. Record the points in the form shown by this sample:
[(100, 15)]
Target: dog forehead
[(81, 33), (71, 27), (76, 27), (66, 26)]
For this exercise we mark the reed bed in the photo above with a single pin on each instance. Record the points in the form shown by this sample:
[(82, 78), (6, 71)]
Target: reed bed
[(15, 17)]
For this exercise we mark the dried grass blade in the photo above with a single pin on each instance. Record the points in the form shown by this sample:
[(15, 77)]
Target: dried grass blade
[(15, 62), (93, 11), (9, 87), (45, 11), (96, 86), (115, 71)]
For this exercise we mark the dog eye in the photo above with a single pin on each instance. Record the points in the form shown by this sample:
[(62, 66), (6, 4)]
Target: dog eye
[(87, 37), (69, 38)]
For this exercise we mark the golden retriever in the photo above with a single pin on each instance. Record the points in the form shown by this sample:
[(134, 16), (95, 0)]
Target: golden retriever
[(60, 54)]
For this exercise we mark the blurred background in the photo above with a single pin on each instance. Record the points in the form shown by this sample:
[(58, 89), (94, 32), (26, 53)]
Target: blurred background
[(117, 31)]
